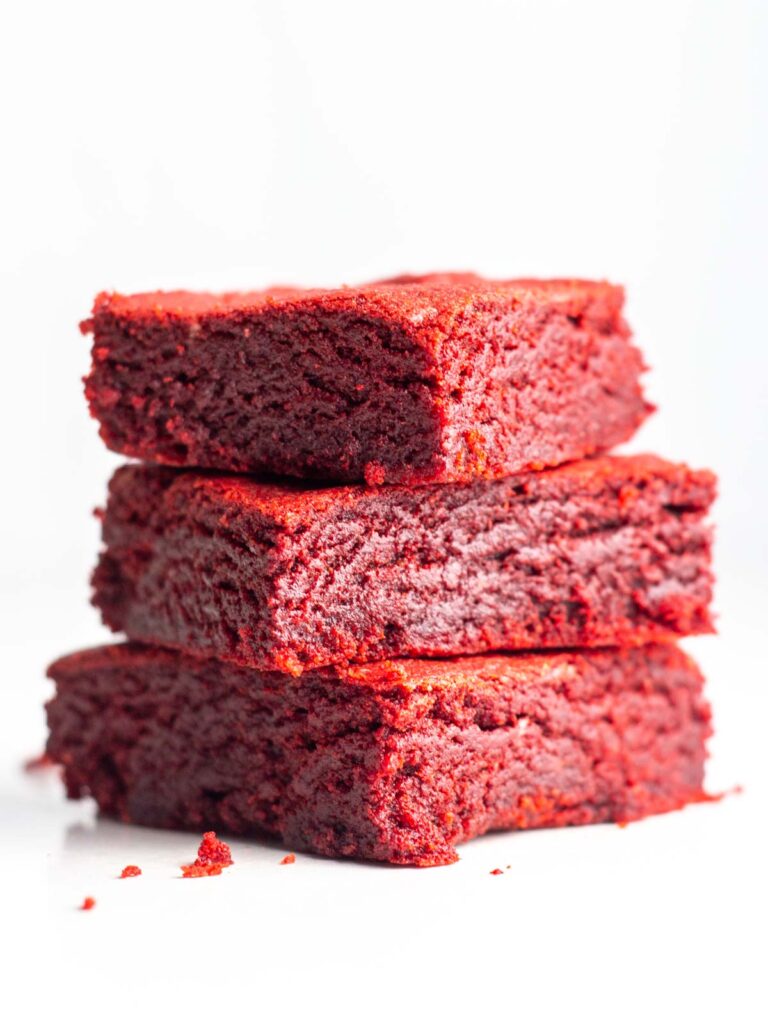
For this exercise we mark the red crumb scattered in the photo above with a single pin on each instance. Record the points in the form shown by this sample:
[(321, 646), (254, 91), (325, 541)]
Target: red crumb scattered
[(714, 798), (497, 871), (130, 871), (289, 858), (197, 870), (212, 856), (36, 764), (88, 903), (214, 851)]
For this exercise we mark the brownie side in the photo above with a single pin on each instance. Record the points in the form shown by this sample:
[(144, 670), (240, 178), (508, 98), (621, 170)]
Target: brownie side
[(614, 550), (446, 377), (301, 387), (551, 380), (185, 558), (397, 761)]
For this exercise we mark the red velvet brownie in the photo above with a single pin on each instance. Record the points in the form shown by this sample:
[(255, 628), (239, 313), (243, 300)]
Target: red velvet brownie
[(396, 761), (611, 550), (413, 380)]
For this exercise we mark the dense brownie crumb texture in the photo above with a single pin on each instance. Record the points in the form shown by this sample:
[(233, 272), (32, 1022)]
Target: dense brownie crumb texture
[(396, 761), (612, 550), (417, 379)]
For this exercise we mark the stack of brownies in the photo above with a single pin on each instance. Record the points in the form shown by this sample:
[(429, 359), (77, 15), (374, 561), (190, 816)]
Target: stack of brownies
[(348, 498)]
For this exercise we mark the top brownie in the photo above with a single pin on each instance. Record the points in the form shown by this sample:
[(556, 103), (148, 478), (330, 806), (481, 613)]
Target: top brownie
[(417, 379)]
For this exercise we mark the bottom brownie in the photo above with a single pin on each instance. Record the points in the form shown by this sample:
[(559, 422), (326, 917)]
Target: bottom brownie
[(396, 761)]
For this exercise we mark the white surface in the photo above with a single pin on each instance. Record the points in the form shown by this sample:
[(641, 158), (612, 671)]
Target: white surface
[(239, 144)]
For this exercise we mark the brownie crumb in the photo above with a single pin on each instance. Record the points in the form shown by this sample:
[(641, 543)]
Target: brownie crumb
[(197, 870), (36, 764), (214, 851), (213, 856)]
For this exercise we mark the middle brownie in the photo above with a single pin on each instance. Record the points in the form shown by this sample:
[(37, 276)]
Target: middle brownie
[(612, 550)]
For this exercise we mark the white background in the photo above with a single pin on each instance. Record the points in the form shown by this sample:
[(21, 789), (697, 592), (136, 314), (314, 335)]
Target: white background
[(240, 144)]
